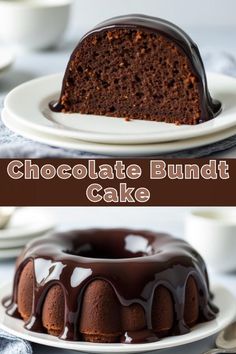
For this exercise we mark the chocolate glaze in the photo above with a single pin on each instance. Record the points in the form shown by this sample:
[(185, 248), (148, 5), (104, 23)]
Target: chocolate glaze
[(210, 108), (55, 106), (134, 262)]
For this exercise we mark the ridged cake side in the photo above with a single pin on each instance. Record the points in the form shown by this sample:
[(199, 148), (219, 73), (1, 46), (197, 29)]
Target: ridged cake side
[(61, 289)]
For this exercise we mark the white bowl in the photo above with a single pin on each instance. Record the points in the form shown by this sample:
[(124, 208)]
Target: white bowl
[(33, 24), (212, 232)]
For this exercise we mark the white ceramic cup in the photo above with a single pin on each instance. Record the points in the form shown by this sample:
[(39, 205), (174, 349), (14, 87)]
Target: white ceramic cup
[(212, 232), (33, 24)]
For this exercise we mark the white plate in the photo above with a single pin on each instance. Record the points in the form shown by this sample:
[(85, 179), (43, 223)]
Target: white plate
[(27, 223), (10, 253), (28, 103), (112, 150), (223, 299), (6, 60), (17, 242)]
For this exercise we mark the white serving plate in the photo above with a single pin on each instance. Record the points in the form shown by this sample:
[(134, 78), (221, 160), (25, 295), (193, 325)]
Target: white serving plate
[(223, 299), (28, 104), (112, 149)]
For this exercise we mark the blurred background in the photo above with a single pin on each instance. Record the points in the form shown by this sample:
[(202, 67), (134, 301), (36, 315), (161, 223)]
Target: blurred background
[(184, 12), (212, 23), (55, 26)]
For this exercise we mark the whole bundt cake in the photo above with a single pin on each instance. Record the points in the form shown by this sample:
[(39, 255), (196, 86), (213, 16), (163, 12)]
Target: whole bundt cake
[(138, 67), (110, 285)]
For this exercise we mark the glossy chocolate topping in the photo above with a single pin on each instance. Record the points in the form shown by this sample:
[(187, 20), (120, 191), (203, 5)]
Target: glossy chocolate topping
[(210, 108), (134, 262)]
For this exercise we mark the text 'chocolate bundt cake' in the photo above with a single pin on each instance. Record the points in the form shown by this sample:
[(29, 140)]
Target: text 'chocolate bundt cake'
[(110, 285), (138, 67)]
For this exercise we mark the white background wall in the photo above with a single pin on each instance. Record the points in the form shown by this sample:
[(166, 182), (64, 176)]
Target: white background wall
[(187, 13), (211, 23)]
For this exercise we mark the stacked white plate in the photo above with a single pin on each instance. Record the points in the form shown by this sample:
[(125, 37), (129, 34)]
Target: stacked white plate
[(27, 113), (25, 225)]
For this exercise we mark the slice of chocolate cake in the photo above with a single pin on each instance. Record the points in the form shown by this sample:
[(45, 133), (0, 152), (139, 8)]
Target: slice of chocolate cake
[(138, 67)]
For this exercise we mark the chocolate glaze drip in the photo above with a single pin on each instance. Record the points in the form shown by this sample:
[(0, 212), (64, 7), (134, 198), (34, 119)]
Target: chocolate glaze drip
[(134, 263), (55, 106), (210, 108)]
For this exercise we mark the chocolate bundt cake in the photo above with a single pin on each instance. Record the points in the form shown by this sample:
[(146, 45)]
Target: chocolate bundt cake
[(138, 67), (110, 285)]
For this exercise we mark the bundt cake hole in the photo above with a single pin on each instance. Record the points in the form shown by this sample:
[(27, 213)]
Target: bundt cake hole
[(96, 253), (128, 246)]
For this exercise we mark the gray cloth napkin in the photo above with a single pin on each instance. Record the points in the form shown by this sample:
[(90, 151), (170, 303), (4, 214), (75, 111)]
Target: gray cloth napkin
[(12, 345), (15, 146)]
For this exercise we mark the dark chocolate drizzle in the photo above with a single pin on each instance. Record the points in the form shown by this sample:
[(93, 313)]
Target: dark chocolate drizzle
[(210, 108), (134, 262), (55, 106)]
